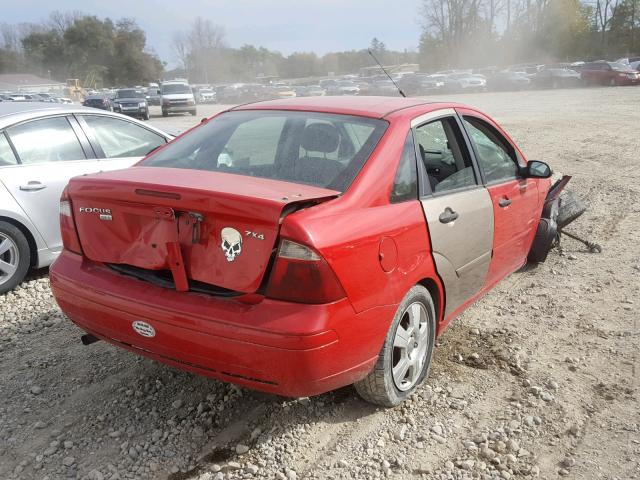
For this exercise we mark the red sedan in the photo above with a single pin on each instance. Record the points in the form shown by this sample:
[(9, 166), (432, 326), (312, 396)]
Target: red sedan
[(297, 246), (609, 73)]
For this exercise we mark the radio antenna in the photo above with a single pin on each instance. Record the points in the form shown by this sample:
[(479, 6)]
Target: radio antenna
[(386, 73)]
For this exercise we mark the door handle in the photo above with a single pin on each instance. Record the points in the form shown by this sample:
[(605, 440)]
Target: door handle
[(504, 202), (448, 216), (32, 186)]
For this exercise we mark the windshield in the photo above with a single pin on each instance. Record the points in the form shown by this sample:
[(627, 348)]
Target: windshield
[(619, 66), (175, 88), (129, 94), (324, 150)]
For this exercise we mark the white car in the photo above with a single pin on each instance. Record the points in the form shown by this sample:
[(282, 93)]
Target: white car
[(464, 82), (177, 97), (43, 145)]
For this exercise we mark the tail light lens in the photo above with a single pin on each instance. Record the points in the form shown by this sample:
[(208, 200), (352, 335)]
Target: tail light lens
[(301, 275), (68, 231)]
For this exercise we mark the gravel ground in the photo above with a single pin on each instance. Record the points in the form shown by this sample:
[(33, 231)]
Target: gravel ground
[(538, 379)]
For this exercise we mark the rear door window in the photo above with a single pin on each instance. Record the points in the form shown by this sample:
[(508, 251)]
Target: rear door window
[(121, 138), (444, 155), (7, 156), (46, 140), (405, 185)]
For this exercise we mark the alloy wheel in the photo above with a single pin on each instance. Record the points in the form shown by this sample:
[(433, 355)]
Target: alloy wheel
[(410, 345), (9, 258)]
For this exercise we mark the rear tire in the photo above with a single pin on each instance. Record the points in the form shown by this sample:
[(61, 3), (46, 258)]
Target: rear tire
[(165, 113), (405, 358), (15, 256)]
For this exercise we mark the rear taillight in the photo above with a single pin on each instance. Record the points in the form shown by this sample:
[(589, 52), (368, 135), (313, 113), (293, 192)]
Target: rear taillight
[(68, 230), (301, 275)]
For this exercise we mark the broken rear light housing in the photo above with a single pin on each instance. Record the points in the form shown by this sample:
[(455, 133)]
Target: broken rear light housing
[(301, 275)]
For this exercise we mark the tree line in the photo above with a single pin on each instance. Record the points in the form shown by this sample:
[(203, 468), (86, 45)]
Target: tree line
[(455, 33), (488, 32), (205, 57), (72, 45)]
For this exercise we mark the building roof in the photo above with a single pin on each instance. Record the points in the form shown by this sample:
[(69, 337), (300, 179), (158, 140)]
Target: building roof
[(11, 81)]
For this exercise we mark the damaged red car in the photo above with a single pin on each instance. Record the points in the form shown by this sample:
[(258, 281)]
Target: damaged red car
[(298, 246)]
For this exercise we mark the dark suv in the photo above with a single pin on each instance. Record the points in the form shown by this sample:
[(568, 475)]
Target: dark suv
[(131, 101)]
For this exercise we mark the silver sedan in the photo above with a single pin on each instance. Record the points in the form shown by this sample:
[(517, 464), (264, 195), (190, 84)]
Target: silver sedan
[(41, 147)]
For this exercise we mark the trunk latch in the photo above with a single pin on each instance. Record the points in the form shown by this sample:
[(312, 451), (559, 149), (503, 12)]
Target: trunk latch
[(195, 219)]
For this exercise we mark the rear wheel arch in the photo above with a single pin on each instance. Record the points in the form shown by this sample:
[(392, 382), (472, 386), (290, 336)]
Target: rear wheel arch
[(33, 249), (437, 294)]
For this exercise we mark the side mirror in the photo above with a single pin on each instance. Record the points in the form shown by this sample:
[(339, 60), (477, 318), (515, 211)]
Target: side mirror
[(536, 169)]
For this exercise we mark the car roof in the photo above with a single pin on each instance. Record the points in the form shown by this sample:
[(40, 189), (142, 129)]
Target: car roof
[(363, 106), (16, 112), (12, 108)]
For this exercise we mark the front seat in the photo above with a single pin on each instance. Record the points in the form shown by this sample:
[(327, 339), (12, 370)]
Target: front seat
[(318, 139)]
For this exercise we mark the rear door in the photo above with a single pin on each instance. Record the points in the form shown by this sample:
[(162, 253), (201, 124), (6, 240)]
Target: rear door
[(118, 142), (50, 150), (514, 199), (457, 207)]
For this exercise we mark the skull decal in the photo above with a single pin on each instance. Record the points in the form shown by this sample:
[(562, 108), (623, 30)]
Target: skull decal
[(231, 243)]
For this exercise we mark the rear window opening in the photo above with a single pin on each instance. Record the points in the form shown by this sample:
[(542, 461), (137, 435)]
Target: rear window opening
[(319, 149)]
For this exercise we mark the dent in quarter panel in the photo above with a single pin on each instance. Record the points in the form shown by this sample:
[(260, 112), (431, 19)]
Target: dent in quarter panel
[(350, 242)]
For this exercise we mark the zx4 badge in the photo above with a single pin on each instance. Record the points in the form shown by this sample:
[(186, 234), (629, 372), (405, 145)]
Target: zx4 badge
[(249, 233)]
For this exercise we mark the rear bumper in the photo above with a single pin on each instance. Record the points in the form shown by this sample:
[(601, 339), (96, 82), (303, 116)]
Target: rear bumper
[(283, 348), (132, 112), (178, 108)]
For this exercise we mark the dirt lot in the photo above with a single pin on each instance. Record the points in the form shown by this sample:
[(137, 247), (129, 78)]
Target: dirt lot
[(538, 379)]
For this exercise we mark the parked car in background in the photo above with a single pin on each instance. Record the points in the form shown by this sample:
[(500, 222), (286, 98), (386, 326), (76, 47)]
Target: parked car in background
[(420, 84), (177, 97), (628, 60), (384, 88), (282, 91), (508, 81), (527, 68), (98, 101), (196, 254), (556, 78), (464, 82), (153, 96), (43, 145), (206, 95), (46, 97), (131, 101), (609, 73), (635, 66), (340, 87)]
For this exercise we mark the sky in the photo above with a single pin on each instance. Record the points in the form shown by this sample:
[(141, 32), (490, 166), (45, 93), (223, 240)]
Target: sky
[(287, 26)]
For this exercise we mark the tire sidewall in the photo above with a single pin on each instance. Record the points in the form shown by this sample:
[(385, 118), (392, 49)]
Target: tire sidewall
[(24, 251), (416, 294)]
